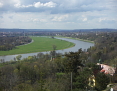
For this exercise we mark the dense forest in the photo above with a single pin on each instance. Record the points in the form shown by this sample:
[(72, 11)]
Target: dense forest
[(105, 46), (63, 72), (41, 73), (10, 42)]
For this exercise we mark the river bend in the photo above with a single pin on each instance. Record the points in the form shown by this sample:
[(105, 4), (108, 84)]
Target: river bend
[(78, 45)]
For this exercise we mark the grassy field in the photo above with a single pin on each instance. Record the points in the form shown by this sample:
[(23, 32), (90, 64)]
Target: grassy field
[(78, 39), (40, 44)]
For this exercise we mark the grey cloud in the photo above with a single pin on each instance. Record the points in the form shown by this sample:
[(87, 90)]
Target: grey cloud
[(109, 21), (33, 7), (27, 2), (64, 6), (11, 17), (1, 16)]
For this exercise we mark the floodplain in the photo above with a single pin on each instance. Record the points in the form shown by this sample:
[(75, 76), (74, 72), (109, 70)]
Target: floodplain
[(39, 44)]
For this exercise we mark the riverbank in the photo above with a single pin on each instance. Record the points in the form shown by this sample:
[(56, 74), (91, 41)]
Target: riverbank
[(77, 45), (39, 44), (77, 39)]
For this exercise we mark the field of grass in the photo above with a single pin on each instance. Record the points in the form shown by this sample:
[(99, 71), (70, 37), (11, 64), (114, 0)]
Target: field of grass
[(78, 39), (40, 44)]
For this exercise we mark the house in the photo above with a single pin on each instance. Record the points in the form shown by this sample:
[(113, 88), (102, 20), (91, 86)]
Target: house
[(107, 69)]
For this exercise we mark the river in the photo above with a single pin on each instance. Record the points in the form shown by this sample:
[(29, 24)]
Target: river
[(78, 45)]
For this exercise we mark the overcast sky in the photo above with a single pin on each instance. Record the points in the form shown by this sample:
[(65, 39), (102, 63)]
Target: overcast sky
[(58, 14)]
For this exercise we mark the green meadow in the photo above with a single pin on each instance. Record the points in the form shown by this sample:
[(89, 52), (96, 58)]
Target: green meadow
[(39, 44), (78, 39)]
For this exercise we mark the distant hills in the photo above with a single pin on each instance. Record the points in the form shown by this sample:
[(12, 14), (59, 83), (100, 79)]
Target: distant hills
[(91, 30), (55, 30), (12, 30)]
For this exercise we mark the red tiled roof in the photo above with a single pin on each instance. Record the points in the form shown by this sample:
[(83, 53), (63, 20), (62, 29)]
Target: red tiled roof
[(107, 69)]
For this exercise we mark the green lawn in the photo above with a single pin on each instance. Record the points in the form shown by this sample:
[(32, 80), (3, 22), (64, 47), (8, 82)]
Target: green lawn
[(40, 44)]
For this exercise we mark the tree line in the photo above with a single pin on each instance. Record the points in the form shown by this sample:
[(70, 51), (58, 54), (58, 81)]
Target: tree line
[(8, 43)]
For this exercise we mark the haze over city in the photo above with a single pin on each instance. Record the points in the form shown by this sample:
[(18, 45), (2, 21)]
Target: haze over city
[(57, 14)]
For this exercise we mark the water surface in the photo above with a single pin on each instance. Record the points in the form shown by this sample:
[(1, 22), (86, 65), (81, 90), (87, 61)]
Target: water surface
[(78, 45)]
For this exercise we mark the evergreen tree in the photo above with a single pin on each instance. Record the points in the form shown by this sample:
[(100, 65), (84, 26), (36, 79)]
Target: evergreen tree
[(73, 61), (102, 81)]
